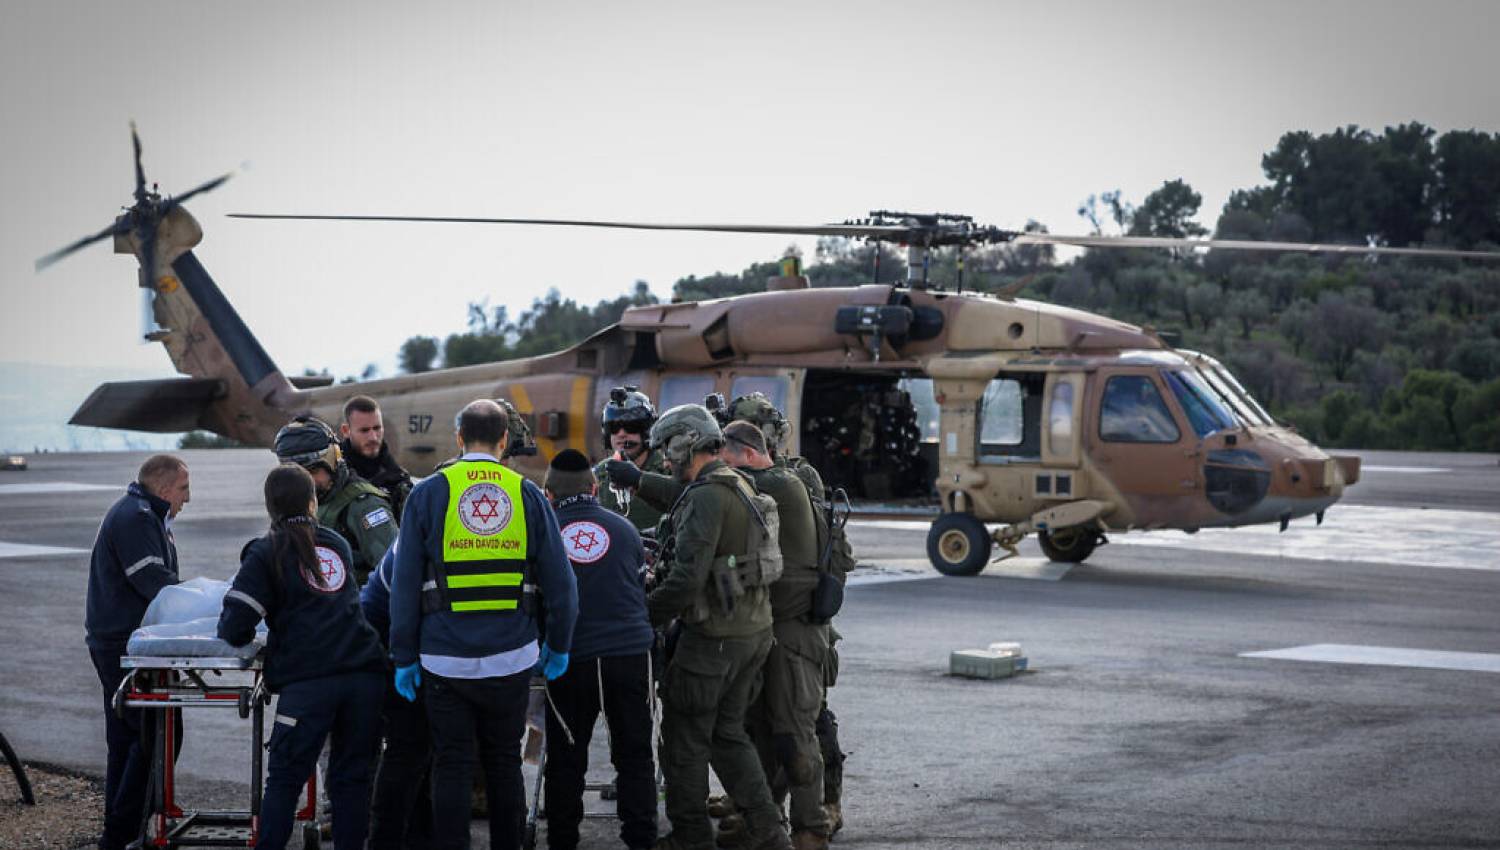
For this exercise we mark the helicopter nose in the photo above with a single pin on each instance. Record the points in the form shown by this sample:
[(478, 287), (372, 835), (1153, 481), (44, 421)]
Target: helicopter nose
[(1235, 480)]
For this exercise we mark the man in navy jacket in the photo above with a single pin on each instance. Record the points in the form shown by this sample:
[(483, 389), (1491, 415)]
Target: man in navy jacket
[(475, 539), (611, 662), (134, 558)]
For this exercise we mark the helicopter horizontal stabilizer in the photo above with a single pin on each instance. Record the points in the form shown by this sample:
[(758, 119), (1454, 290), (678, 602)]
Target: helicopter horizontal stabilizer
[(163, 406)]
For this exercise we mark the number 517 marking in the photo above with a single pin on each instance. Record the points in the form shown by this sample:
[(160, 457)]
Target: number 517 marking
[(418, 423)]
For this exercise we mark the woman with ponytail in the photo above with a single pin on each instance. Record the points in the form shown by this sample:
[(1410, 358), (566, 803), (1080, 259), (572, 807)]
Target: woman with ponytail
[(322, 658)]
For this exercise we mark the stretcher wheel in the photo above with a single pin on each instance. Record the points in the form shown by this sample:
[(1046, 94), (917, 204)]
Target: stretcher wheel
[(244, 701), (312, 839)]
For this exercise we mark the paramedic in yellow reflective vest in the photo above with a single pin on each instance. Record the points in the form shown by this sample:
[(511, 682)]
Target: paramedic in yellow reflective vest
[(478, 544)]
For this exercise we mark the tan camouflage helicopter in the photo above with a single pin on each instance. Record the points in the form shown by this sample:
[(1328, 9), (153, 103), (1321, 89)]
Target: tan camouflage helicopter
[(1019, 416)]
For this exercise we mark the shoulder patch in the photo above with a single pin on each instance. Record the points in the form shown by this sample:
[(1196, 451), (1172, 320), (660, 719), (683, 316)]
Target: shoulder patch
[(377, 517), (335, 571), (585, 542)]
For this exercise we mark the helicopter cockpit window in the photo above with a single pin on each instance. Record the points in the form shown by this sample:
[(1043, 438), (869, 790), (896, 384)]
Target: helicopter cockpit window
[(1244, 395), (685, 389), (1010, 421), (1203, 411), (1133, 412), (772, 386), (1233, 403)]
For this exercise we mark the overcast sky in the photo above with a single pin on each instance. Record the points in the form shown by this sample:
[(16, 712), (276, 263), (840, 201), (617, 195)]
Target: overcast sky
[(764, 112)]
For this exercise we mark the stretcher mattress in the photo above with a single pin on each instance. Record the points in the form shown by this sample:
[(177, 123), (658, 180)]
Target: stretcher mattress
[(183, 621)]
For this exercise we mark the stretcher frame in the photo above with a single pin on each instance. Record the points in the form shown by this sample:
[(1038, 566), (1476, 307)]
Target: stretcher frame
[(165, 685)]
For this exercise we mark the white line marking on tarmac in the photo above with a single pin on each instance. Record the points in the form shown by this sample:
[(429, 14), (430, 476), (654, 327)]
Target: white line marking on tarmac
[(26, 550), (1385, 656), (1460, 540), (1414, 470), (860, 578), (40, 487)]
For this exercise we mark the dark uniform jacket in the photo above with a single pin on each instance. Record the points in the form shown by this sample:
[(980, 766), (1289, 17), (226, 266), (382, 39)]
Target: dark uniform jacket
[(475, 635), (315, 631), (375, 596), (607, 555), (708, 522), (134, 558)]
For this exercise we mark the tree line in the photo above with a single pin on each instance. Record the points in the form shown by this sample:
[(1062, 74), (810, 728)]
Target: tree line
[(1388, 353)]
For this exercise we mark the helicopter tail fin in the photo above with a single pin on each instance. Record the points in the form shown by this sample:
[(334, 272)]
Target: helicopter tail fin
[(234, 388)]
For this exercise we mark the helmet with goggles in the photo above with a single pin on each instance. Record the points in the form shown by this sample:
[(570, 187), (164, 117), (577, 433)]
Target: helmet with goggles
[(627, 408), (308, 442)]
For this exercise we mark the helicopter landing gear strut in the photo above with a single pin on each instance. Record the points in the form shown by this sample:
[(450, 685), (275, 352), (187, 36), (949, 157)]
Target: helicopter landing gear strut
[(959, 544)]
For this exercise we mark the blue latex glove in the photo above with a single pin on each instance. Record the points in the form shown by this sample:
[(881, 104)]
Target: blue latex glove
[(552, 664), (408, 678)]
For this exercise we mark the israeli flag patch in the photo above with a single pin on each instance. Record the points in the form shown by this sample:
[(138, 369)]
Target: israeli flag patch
[(379, 516)]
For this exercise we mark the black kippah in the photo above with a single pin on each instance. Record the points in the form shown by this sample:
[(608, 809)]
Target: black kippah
[(570, 460)]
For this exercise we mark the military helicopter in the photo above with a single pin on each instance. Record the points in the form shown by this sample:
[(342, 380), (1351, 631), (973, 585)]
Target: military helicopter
[(1022, 415)]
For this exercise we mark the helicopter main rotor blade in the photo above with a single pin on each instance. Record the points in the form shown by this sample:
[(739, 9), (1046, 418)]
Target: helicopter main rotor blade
[(140, 170), (118, 227), (855, 231), (208, 186), (1240, 245)]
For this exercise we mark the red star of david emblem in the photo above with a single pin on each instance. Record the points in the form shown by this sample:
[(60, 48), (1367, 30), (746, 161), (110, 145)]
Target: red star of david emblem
[(580, 536), (485, 509), (328, 567)]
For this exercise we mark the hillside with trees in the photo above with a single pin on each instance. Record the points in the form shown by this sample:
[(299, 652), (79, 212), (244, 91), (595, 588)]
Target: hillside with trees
[(1389, 353)]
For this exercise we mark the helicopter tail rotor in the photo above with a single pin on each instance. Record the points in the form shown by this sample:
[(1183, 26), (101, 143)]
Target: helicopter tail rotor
[(140, 219)]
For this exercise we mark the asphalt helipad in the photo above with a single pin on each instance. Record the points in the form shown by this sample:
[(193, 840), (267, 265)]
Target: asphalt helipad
[(1330, 686)]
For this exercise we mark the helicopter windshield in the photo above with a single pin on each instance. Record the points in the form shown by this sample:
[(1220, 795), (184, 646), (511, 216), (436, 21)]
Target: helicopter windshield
[(1230, 393), (1204, 412)]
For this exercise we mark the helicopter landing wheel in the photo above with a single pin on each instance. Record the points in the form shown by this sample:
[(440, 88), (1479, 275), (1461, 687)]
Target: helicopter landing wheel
[(958, 544), (1069, 545)]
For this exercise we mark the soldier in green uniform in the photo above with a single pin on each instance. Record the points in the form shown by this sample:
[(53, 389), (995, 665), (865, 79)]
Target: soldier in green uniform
[(348, 504), (717, 566), (626, 420), (783, 719), (757, 409)]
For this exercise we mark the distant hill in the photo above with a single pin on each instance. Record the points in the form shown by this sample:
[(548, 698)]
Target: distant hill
[(36, 402)]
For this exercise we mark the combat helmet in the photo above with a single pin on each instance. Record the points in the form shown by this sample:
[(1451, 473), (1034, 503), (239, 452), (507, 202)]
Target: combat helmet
[(518, 439), (308, 442), (629, 405), (757, 409), (683, 430)]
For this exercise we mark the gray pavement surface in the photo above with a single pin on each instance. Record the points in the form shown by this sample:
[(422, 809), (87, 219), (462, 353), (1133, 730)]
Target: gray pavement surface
[(1139, 724)]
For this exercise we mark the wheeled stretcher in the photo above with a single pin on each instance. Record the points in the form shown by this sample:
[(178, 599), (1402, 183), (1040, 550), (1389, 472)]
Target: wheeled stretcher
[(165, 686)]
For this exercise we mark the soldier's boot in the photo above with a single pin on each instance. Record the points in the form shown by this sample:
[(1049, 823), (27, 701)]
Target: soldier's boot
[(721, 806), (835, 818), (806, 839)]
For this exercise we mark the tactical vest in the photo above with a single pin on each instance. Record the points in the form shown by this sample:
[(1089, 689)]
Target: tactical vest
[(757, 564), (484, 544), (331, 513)]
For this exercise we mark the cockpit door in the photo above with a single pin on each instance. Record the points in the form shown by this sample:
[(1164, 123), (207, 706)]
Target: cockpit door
[(1141, 443)]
